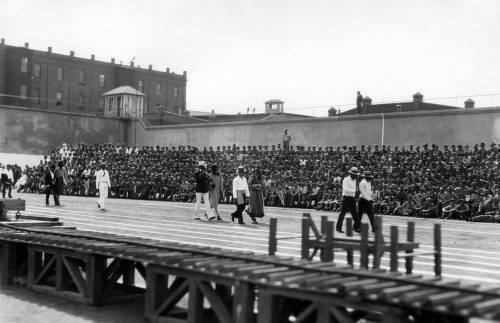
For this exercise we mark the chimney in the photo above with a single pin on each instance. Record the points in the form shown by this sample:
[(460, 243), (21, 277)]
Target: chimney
[(168, 69), (92, 57), (113, 60), (72, 53), (131, 64), (184, 74), (418, 98), (469, 103), (26, 45), (49, 50), (2, 41), (150, 67)]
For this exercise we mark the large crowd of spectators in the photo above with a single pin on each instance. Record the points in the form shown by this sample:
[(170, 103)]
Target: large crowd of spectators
[(454, 182)]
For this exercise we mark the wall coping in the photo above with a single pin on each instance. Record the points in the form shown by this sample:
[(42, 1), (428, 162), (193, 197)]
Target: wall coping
[(379, 116), (88, 115)]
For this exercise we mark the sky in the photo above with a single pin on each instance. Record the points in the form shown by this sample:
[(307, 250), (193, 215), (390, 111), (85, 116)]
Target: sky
[(311, 54)]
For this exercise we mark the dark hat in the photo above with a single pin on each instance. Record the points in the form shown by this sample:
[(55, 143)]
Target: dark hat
[(368, 173)]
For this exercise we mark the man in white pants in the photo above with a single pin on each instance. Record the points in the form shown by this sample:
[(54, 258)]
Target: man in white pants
[(201, 189), (102, 183)]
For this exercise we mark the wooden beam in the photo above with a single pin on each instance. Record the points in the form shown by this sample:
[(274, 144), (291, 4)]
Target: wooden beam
[(243, 302), (175, 293), (75, 274), (195, 303), (220, 309)]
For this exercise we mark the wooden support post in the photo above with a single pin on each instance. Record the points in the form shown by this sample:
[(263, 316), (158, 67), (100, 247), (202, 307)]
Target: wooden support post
[(243, 302), (363, 261), (350, 258), (305, 238), (95, 271), (7, 263), (323, 313), (195, 303), (128, 270), (410, 237), (34, 265), (377, 250), (273, 243), (269, 310), (224, 293), (324, 219), (156, 291), (327, 250), (394, 248), (437, 249), (63, 278)]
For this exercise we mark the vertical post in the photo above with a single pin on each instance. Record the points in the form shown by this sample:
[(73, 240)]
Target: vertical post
[(269, 309), (195, 303), (327, 251), (437, 249), (7, 263), (62, 273), (394, 248), (324, 219), (273, 243), (243, 302), (363, 261), (156, 291), (350, 258), (305, 238), (378, 247), (95, 271), (128, 270), (410, 237)]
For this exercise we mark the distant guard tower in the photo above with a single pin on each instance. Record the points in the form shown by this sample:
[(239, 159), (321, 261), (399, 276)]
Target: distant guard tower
[(124, 101), (274, 106)]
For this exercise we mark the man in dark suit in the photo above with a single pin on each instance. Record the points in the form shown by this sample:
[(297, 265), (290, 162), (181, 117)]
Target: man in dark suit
[(50, 183)]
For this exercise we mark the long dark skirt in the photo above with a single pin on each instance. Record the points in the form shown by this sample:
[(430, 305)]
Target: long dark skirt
[(256, 207)]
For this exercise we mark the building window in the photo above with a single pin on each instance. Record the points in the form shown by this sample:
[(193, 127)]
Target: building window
[(140, 85), (59, 97), (59, 73), (36, 70), (102, 79), (81, 77), (22, 91), (176, 91), (158, 89), (36, 95), (24, 64)]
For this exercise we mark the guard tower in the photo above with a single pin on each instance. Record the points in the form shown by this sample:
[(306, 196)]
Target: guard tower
[(274, 106), (124, 101)]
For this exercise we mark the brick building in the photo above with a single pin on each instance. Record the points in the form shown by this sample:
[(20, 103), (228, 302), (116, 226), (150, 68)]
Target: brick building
[(50, 81)]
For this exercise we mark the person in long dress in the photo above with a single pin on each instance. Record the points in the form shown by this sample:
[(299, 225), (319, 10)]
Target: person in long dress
[(256, 186), (215, 192), (102, 183), (60, 179)]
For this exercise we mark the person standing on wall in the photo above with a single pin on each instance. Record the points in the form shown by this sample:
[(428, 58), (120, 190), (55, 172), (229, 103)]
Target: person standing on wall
[(103, 184), (359, 102), (286, 140), (349, 200), (365, 203), (240, 194), (201, 189)]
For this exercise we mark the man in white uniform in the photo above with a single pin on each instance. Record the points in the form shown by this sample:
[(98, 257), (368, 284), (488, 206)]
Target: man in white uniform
[(102, 183), (240, 195)]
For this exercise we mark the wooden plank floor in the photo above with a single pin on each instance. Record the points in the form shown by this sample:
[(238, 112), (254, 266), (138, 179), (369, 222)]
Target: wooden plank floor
[(470, 250)]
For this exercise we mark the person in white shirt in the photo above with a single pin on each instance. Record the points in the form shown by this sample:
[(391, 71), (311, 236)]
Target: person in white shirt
[(240, 195), (7, 179), (365, 203), (349, 200), (102, 183)]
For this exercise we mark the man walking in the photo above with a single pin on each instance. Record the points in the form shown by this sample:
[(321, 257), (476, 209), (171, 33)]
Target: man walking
[(365, 203), (348, 200), (102, 183), (240, 194), (201, 189)]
